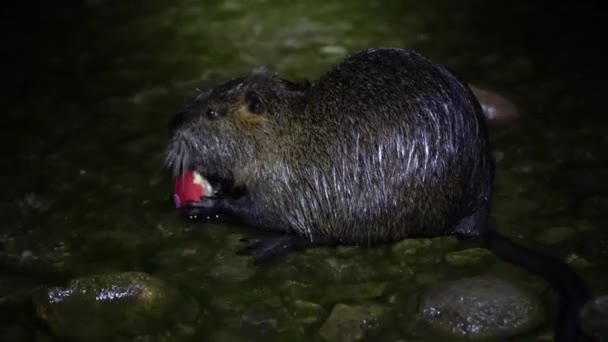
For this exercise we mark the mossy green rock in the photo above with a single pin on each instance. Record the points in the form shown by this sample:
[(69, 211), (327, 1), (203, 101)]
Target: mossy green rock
[(468, 256), (357, 292), (351, 323), (305, 312), (409, 247), (481, 307), (94, 307)]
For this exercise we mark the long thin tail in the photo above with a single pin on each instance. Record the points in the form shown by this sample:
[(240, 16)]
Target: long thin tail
[(571, 287)]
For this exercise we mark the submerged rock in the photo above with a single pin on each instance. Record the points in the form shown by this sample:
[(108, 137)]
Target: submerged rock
[(468, 256), (408, 247), (98, 306), (594, 318), (231, 269), (305, 313), (481, 307), (356, 292), (259, 320), (351, 323), (422, 251)]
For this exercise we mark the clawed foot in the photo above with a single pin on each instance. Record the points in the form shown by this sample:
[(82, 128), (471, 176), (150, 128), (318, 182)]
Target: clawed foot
[(266, 249)]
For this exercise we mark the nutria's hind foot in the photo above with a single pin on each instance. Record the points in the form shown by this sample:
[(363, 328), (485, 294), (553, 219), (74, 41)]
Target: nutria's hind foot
[(268, 248)]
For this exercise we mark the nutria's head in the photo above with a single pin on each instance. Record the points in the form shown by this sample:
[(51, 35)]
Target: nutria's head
[(233, 127)]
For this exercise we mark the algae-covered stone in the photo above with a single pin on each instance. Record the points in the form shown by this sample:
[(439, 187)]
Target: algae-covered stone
[(351, 323), (111, 304), (295, 289), (468, 256), (411, 246), (305, 312), (231, 269), (345, 270), (356, 292), (259, 320), (481, 307)]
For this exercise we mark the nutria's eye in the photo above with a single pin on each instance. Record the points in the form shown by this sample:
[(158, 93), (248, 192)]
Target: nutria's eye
[(254, 103), (212, 114)]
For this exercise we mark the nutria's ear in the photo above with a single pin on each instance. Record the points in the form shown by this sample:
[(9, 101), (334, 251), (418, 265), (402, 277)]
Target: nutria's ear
[(254, 102)]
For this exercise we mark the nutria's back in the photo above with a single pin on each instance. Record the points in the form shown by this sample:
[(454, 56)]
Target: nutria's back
[(388, 145)]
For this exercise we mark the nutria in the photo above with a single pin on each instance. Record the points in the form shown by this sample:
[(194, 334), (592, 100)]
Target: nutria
[(386, 145)]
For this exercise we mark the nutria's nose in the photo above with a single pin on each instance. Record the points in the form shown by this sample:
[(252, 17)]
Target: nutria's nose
[(177, 121)]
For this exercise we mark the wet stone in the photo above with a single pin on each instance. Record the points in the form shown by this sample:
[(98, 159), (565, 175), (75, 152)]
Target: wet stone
[(234, 304), (232, 269), (98, 306), (259, 320), (468, 256), (228, 306), (356, 292), (594, 317), (410, 247), (295, 289), (346, 250), (305, 313), (351, 323), (343, 270), (481, 307)]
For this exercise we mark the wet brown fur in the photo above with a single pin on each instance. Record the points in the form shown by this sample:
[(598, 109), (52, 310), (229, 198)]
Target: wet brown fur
[(386, 145), (357, 158)]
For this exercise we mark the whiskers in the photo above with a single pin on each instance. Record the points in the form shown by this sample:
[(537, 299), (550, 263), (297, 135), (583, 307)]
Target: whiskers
[(179, 158)]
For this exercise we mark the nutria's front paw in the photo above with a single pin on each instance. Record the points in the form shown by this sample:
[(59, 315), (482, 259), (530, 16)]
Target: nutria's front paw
[(207, 208)]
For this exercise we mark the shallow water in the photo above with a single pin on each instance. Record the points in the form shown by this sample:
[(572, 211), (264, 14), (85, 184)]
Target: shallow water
[(91, 88)]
